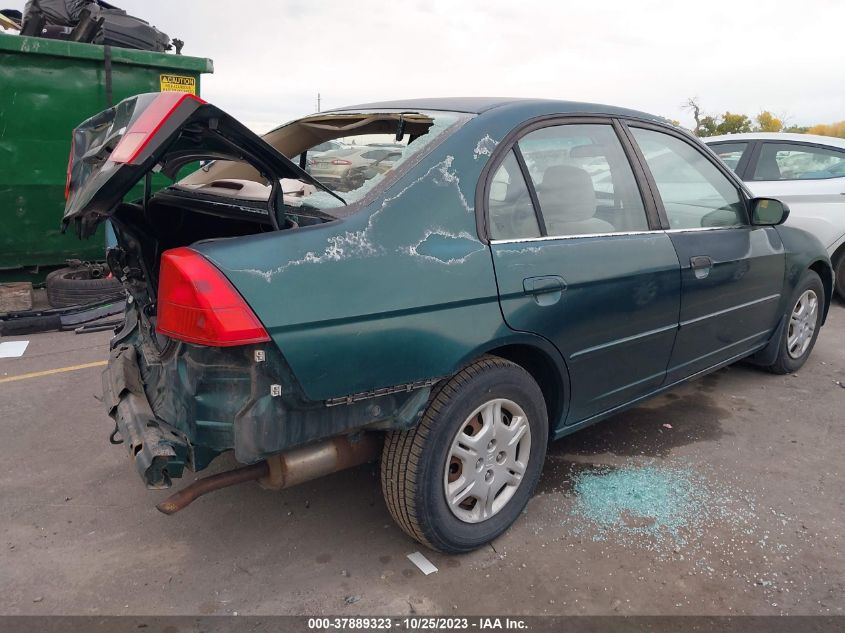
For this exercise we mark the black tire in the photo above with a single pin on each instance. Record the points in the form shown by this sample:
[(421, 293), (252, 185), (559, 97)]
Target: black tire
[(839, 267), (785, 363), (413, 463), (74, 286)]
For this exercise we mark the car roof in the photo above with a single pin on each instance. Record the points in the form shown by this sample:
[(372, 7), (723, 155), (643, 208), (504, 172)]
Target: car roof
[(778, 136), (480, 105)]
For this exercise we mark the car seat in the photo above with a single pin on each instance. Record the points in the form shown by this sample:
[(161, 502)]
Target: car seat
[(568, 201)]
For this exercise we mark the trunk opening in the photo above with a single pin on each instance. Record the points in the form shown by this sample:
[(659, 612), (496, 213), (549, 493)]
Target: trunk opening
[(174, 218)]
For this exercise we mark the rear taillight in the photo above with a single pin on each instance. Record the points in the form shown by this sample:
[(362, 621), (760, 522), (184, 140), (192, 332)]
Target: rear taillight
[(197, 304), (140, 133), (340, 161)]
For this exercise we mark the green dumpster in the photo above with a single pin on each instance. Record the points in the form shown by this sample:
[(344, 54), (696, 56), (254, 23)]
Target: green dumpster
[(48, 87)]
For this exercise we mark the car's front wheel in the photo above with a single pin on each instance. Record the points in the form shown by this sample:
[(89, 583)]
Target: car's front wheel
[(803, 320), (840, 276), (462, 476)]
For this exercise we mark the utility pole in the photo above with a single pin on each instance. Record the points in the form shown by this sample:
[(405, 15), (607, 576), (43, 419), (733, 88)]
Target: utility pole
[(318, 102)]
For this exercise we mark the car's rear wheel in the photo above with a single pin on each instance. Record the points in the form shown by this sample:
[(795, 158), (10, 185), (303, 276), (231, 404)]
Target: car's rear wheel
[(804, 316), (462, 476)]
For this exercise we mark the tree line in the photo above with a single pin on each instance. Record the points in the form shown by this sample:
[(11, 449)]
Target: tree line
[(765, 121)]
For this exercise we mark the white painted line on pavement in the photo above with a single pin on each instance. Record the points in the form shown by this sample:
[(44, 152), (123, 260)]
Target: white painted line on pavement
[(13, 349)]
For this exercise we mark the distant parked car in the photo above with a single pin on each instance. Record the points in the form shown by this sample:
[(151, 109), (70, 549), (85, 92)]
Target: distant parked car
[(317, 150), (348, 168), (524, 269), (805, 171), (326, 146)]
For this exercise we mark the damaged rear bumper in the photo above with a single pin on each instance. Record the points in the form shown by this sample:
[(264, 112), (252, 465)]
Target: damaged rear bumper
[(159, 452), (183, 408)]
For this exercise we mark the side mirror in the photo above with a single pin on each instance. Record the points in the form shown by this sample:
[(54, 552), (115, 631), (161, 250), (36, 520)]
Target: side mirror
[(768, 212)]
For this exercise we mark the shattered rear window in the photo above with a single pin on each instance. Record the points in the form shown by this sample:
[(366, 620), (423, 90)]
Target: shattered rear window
[(350, 153)]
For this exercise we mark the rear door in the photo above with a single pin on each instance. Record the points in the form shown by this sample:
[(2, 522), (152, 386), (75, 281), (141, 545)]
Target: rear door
[(731, 273), (579, 260)]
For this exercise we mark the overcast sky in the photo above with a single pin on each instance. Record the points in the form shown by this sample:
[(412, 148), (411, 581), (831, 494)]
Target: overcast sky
[(272, 57)]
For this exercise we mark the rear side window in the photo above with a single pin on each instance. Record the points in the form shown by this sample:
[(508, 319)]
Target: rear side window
[(694, 192), (730, 153), (512, 215), (583, 180), (794, 161)]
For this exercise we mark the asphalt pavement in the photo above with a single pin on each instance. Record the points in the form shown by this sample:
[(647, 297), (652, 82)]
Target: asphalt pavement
[(723, 496)]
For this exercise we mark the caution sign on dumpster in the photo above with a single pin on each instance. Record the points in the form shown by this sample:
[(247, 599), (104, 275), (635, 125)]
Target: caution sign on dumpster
[(178, 83)]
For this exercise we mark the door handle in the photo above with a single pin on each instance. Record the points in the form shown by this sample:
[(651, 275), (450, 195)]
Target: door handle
[(541, 285), (701, 265), (546, 290)]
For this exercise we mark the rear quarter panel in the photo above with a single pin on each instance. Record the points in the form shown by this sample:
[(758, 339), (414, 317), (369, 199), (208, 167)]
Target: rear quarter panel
[(400, 291)]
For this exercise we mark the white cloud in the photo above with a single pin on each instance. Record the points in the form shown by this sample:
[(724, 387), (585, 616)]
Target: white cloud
[(272, 58)]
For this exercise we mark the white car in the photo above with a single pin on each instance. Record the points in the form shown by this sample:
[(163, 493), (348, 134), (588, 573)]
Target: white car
[(805, 171)]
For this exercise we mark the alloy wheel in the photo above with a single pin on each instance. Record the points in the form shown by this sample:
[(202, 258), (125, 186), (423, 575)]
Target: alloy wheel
[(802, 324)]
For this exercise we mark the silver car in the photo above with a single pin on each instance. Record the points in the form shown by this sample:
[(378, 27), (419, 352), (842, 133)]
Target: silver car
[(805, 171)]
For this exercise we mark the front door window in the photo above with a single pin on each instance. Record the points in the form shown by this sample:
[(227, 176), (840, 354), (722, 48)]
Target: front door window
[(794, 161), (695, 193)]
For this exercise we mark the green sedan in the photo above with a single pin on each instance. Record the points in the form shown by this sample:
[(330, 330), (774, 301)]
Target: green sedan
[(519, 270)]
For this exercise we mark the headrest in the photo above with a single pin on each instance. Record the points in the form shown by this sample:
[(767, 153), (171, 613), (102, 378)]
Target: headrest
[(566, 194)]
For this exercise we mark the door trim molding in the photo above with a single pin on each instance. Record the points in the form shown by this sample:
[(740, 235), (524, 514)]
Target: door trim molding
[(620, 341), (548, 238), (727, 310)]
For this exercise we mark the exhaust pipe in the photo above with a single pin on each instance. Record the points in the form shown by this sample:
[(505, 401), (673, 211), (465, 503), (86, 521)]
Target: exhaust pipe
[(284, 470), (192, 492)]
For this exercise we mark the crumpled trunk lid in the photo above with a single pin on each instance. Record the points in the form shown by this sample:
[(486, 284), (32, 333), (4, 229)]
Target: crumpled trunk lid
[(162, 132)]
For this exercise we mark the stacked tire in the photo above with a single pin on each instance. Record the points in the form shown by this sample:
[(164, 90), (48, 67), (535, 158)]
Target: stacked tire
[(80, 285)]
